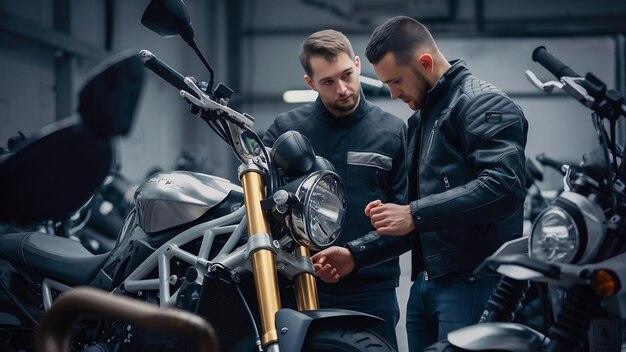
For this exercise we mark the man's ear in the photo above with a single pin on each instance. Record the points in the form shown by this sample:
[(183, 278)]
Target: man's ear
[(426, 62), (309, 82), (357, 63)]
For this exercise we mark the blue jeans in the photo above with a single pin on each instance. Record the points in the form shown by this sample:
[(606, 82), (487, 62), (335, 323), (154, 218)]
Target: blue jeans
[(381, 303), (444, 304)]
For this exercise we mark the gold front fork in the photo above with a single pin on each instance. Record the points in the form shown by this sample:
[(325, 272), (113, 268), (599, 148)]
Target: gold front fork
[(263, 260), (306, 288)]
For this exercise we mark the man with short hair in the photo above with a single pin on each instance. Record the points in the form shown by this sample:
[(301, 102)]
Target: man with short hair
[(366, 147), (465, 158)]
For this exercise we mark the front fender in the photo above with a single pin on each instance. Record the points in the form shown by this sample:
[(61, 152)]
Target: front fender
[(293, 326), (498, 336)]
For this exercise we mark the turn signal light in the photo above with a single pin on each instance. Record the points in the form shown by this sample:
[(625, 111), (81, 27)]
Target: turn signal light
[(605, 283)]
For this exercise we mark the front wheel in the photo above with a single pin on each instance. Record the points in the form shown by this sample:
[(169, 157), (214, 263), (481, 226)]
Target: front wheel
[(345, 340)]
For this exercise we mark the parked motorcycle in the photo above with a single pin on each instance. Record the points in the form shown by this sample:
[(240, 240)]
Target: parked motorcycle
[(95, 224), (50, 174), (103, 216), (577, 244), (203, 244), (97, 221)]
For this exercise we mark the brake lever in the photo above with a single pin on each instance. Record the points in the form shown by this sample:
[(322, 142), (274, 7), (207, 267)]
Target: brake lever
[(543, 86), (205, 102), (570, 85)]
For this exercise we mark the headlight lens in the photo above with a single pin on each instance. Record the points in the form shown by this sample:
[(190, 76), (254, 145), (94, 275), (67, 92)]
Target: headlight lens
[(319, 219), (555, 236)]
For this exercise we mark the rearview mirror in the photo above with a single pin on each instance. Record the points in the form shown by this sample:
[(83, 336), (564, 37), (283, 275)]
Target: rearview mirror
[(168, 18)]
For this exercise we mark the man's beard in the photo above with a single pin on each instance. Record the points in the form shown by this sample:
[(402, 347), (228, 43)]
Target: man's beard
[(346, 106), (421, 81)]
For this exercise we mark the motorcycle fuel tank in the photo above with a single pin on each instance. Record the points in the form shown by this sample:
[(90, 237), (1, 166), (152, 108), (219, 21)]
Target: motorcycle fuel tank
[(169, 199)]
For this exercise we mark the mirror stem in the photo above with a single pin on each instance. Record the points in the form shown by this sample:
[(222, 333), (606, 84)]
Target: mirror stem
[(206, 64)]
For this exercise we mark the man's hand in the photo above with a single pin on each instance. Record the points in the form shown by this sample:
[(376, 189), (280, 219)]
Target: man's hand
[(371, 205), (333, 263), (390, 219)]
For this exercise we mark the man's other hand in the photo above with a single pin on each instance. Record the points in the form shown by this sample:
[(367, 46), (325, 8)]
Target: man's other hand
[(333, 263), (391, 219)]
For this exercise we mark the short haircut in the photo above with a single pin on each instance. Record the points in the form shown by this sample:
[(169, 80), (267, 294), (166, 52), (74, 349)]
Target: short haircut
[(327, 44), (399, 35)]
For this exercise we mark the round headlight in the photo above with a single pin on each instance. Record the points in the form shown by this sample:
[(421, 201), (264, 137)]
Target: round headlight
[(317, 222), (572, 230), (555, 236)]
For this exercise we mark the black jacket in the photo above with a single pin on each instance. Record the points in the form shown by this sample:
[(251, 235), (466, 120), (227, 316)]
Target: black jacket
[(367, 149), (466, 160)]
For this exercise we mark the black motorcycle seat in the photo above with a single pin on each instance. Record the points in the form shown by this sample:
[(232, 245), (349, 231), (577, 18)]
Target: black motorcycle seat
[(53, 173), (51, 256)]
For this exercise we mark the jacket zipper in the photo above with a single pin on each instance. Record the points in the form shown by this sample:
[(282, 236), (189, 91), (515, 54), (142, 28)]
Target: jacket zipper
[(446, 182), (431, 138), (421, 132)]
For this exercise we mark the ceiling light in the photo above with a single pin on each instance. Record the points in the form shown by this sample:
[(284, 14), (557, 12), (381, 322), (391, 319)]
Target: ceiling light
[(299, 96), (371, 81)]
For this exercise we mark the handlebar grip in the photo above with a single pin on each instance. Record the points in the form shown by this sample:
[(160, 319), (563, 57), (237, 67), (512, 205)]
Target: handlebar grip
[(552, 64), (547, 161), (164, 71)]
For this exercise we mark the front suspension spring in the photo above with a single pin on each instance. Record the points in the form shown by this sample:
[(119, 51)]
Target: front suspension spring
[(574, 319), (504, 300)]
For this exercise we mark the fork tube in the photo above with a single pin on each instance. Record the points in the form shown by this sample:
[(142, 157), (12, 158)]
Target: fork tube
[(263, 261), (306, 288)]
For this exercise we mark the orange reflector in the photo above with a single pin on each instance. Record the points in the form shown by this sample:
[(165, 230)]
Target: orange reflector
[(604, 283)]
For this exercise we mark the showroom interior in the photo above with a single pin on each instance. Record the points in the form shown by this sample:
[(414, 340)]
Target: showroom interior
[(49, 47)]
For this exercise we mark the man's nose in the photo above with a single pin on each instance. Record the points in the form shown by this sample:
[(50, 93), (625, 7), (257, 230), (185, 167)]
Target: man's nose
[(342, 88), (394, 92)]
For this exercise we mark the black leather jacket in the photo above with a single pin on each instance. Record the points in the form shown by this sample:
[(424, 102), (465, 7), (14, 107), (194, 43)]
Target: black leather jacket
[(367, 149), (465, 157)]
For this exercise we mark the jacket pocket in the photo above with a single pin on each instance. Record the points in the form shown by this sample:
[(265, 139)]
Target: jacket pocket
[(382, 179)]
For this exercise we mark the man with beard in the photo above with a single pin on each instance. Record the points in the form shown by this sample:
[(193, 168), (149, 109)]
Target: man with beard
[(465, 160), (366, 147)]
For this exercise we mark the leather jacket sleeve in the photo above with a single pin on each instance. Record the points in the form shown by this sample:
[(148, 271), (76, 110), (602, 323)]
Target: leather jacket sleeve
[(493, 143), (372, 249)]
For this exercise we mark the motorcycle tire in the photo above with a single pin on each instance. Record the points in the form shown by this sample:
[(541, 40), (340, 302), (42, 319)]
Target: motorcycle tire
[(345, 340)]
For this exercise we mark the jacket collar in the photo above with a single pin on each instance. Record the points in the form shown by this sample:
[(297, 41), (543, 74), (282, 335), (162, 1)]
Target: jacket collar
[(347, 120), (455, 73)]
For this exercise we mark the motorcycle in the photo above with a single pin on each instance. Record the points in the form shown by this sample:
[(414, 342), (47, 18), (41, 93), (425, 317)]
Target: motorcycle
[(203, 244), (95, 224), (577, 245), (52, 173)]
